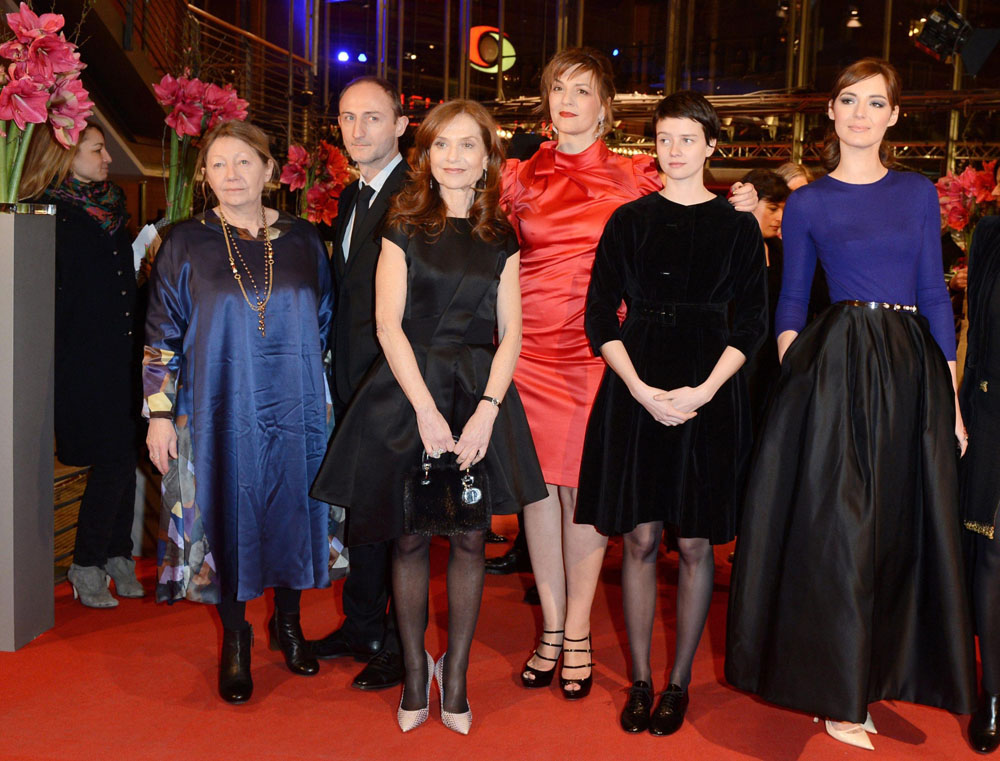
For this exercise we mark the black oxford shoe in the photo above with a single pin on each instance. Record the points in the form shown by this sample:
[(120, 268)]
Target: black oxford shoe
[(984, 733), (384, 670), (669, 712), (337, 645), (635, 715), (512, 561)]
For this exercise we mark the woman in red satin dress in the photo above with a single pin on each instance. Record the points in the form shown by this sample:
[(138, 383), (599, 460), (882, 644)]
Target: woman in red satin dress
[(559, 201)]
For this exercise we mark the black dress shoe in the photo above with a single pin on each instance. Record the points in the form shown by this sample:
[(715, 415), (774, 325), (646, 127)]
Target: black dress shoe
[(669, 712), (235, 684), (336, 644), (513, 560), (494, 538), (984, 734), (286, 635), (384, 670), (635, 714)]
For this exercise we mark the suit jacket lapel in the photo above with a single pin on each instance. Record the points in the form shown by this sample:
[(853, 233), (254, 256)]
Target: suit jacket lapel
[(378, 209), (344, 206)]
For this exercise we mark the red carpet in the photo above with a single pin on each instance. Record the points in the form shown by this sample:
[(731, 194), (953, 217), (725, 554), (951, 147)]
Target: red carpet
[(138, 682)]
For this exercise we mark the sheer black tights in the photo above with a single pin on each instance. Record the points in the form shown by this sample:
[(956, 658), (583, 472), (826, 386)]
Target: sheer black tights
[(410, 576), (986, 601), (695, 580)]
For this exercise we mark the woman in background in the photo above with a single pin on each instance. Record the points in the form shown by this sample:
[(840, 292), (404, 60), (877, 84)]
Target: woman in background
[(980, 475), (96, 355)]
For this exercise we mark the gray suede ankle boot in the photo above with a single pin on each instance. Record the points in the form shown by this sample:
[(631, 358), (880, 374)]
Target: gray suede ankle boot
[(122, 572), (90, 584)]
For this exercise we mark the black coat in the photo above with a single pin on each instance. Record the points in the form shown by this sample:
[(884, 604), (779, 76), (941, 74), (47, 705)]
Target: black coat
[(353, 340), (980, 392), (96, 340)]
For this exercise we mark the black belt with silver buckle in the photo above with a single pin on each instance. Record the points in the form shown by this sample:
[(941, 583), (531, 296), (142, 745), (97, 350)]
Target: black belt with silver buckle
[(879, 305)]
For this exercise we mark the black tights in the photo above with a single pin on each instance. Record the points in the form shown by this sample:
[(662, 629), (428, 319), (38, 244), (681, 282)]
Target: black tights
[(694, 594), (986, 601), (410, 579), (233, 612)]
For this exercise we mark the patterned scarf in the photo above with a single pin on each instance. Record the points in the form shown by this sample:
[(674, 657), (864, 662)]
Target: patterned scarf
[(104, 201)]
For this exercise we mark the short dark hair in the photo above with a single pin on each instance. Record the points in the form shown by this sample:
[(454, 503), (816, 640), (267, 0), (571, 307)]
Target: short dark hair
[(387, 87), (588, 60), (770, 186), (687, 104)]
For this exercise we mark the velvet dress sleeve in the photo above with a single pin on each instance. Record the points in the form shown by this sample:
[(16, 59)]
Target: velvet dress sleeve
[(799, 265), (607, 286), (167, 319), (750, 297), (932, 292)]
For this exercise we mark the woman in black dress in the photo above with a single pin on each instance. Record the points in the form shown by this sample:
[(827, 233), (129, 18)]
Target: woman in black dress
[(447, 279), (669, 436), (96, 358), (980, 397)]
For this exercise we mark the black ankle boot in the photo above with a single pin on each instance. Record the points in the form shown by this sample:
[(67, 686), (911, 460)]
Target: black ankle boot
[(286, 635), (984, 733), (235, 684)]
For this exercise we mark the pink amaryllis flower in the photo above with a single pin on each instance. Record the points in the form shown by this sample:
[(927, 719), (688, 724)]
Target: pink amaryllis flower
[(23, 101), (294, 173), (192, 91), (223, 105), (51, 54), (957, 216), (27, 25), (167, 91), (186, 119), (14, 50), (69, 107)]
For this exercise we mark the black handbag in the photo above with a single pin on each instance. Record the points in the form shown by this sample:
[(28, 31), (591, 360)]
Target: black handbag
[(440, 499)]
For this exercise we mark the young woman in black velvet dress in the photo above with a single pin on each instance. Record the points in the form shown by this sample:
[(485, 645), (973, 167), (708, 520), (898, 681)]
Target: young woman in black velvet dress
[(669, 435)]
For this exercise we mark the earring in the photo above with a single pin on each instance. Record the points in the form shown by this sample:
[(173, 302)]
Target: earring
[(431, 183), (481, 185), (600, 126)]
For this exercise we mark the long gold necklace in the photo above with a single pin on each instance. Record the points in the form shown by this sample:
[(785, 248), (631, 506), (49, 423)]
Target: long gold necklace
[(259, 305)]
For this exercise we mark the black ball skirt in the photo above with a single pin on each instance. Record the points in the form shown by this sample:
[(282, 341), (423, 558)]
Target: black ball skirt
[(848, 582)]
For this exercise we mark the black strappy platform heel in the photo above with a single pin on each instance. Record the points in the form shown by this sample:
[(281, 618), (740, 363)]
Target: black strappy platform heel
[(541, 678)]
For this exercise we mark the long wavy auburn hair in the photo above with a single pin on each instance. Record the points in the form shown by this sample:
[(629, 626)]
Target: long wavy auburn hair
[(419, 204)]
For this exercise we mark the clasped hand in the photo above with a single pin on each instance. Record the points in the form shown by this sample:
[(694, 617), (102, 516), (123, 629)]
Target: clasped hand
[(671, 407), (436, 436)]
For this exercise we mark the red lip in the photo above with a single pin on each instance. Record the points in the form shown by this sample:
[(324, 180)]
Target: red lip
[(567, 114)]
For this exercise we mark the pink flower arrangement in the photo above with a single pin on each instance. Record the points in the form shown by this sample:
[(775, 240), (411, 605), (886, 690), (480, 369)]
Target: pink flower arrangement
[(967, 197), (40, 81), (195, 108), (322, 175)]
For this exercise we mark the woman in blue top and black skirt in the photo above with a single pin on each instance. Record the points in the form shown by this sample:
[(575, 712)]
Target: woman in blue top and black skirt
[(847, 587)]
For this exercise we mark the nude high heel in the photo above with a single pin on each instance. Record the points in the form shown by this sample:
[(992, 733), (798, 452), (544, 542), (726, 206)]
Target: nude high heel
[(854, 734), (456, 722), (412, 719)]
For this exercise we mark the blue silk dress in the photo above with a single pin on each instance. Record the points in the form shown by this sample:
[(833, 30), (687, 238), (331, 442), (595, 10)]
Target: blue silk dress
[(249, 409)]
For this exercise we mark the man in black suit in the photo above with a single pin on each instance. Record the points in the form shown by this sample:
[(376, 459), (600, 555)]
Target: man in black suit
[(371, 122)]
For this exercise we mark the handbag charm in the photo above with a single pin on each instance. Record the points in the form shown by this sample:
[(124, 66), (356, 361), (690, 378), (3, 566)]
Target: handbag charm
[(470, 493)]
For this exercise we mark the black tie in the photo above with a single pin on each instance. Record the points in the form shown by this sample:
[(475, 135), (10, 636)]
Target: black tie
[(360, 212)]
